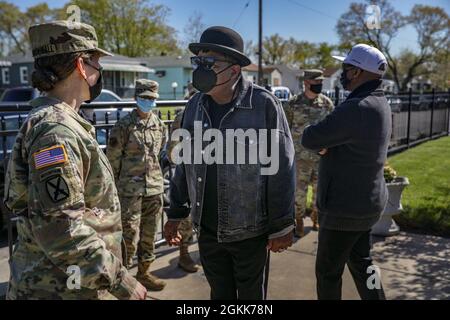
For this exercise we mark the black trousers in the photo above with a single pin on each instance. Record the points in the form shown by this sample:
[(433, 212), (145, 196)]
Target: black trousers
[(337, 248), (235, 270)]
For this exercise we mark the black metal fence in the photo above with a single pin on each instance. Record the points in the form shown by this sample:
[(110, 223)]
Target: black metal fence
[(419, 117), (416, 117), (102, 115)]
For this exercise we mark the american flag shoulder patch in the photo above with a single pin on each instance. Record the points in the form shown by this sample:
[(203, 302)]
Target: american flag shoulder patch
[(50, 156)]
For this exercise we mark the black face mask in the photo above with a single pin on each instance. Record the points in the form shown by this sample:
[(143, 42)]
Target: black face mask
[(204, 80), (96, 89), (316, 88)]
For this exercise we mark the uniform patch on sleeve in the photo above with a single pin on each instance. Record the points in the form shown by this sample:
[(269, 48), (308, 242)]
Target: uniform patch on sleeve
[(57, 188), (50, 172), (50, 156)]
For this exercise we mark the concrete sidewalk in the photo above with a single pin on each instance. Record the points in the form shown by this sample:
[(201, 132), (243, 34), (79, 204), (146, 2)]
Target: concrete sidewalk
[(412, 267)]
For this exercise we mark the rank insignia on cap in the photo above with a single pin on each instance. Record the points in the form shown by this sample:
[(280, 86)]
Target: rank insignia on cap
[(50, 156)]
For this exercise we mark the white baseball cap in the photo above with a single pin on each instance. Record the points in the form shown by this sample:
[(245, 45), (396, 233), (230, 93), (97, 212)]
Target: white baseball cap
[(365, 57)]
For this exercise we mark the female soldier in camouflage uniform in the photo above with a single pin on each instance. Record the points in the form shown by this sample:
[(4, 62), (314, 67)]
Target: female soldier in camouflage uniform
[(60, 182)]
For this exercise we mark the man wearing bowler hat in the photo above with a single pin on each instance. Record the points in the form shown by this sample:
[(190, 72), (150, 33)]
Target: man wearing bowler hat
[(239, 210)]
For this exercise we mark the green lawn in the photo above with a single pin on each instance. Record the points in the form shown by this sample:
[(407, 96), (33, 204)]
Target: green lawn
[(426, 200)]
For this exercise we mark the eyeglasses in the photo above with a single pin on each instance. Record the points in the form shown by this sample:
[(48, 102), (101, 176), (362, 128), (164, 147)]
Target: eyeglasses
[(206, 62)]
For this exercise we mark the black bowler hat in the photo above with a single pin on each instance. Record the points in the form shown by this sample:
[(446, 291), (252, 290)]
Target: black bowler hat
[(223, 40)]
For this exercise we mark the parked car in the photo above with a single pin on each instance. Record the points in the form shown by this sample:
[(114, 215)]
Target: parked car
[(104, 96), (19, 94), (282, 93), (395, 103), (26, 94), (107, 96)]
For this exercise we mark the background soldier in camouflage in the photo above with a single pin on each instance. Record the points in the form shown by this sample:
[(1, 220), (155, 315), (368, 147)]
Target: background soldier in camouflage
[(133, 150), (185, 228), (307, 108), (60, 182), (190, 91)]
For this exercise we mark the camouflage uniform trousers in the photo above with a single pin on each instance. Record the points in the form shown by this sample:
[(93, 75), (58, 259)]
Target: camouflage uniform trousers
[(307, 174), (140, 218), (185, 230)]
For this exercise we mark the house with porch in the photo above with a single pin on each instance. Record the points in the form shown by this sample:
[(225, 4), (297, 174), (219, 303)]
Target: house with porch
[(275, 75), (173, 73), (119, 73)]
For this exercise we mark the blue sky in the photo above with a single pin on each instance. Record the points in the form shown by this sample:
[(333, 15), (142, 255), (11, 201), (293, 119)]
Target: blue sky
[(311, 20)]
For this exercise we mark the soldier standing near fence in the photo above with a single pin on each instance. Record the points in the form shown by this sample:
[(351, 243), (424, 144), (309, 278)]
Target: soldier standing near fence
[(190, 91), (60, 183), (133, 150), (302, 110)]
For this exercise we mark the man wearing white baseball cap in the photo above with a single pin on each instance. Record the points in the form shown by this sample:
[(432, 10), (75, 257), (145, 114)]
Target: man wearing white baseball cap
[(367, 58), (352, 193)]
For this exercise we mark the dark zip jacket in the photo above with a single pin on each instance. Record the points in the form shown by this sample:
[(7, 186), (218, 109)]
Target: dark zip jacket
[(352, 191)]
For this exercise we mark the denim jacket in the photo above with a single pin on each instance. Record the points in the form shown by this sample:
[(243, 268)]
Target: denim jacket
[(250, 204)]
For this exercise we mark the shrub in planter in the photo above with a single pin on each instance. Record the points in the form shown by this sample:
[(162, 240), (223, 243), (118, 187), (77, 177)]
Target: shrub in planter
[(386, 226)]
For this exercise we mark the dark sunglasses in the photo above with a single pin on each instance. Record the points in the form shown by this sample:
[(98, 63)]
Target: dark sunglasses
[(348, 67), (206, 62)]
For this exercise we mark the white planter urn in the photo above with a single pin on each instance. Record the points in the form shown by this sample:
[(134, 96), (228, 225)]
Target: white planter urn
[(386, 226)]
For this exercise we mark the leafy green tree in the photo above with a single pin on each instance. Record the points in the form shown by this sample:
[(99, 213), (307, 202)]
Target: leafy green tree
[(193, 28), (431, 23), (14, 25), (275, 50), (129, 27)]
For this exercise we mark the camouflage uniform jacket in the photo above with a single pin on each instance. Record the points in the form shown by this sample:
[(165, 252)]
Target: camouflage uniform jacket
[(302, 112), (133, 150), (61, 185)]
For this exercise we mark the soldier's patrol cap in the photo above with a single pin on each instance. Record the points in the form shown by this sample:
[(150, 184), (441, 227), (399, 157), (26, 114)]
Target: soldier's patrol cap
[(313, 74), (147, 89), (61, 36)]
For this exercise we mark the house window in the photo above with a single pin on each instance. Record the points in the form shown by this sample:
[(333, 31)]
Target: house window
[(5, 76), (23, 75), (160, 73), (108, 80), (276, 82), (127, 79)]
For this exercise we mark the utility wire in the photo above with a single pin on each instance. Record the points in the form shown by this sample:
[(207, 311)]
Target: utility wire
[(312, 9), (242, 12)]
